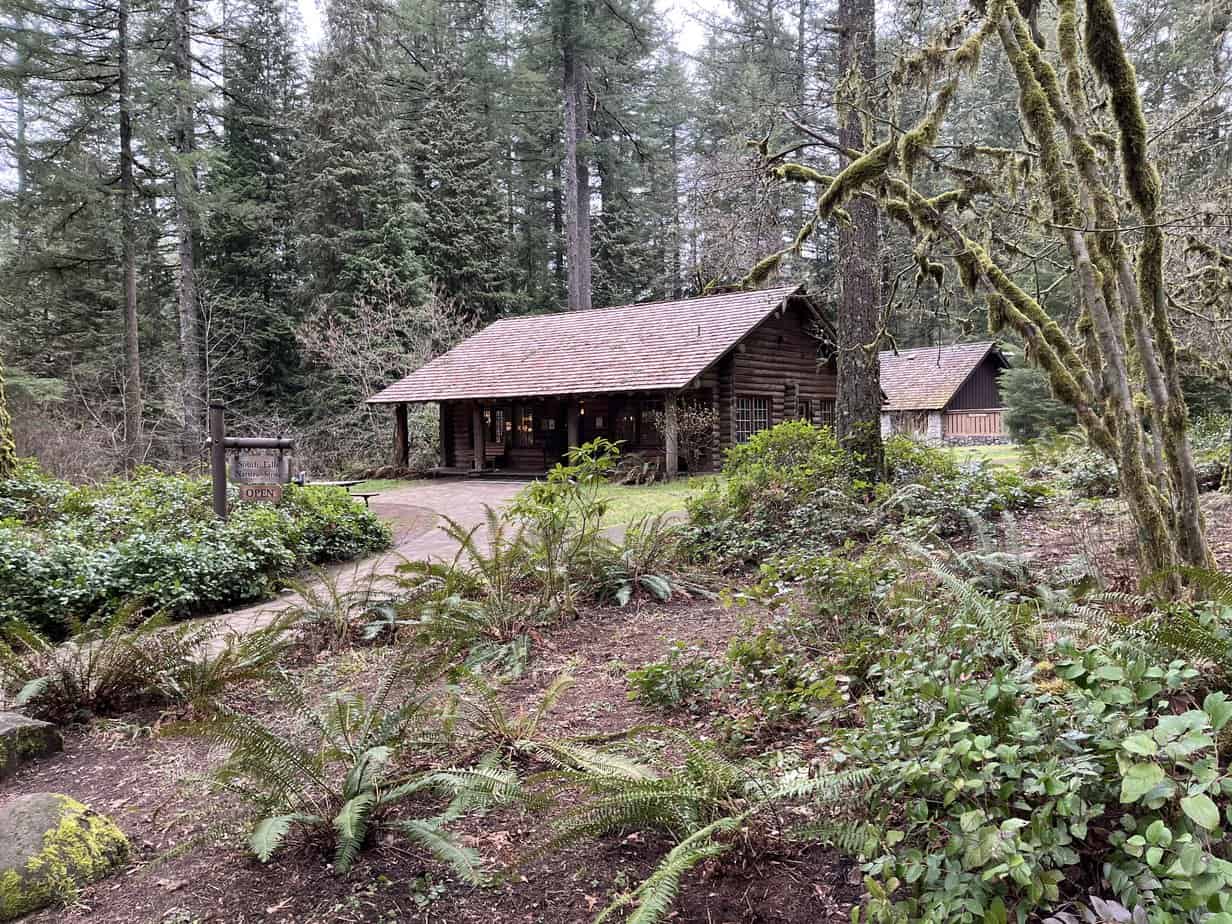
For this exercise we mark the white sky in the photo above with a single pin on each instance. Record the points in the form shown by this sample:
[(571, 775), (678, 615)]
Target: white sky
[(689, 32)]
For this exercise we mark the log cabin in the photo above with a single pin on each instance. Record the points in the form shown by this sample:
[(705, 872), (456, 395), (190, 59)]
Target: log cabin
[(947, 394), (518, 394)]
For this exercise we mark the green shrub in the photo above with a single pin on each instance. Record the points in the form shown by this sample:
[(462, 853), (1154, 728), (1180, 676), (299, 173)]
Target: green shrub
[(29, 494), (1069, 461), (791, 489), (152, 541), (345, 782), (1004, 785), (1031, 410), (683, 675)]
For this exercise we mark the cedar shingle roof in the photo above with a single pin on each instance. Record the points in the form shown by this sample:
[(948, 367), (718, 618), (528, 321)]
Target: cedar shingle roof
[(927, 378), (660, 345)]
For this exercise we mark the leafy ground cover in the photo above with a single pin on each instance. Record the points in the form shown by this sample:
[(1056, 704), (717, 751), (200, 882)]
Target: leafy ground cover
[(932, 716), (151, 543)]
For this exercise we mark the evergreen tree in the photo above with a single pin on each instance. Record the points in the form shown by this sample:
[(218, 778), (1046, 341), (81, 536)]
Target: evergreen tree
[(250, 274), (358, 227)]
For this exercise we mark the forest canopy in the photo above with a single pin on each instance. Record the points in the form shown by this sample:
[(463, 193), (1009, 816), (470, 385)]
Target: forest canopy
[(199, 206)]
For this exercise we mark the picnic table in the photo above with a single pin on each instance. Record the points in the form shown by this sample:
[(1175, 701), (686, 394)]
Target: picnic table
[(348, 484)]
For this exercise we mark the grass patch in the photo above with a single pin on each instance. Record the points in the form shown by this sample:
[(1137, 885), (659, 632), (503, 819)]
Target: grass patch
[(629, 503), (381, 485), (1006, 454)]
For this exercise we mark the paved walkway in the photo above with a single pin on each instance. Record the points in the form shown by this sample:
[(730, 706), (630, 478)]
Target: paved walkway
[(414, 514)]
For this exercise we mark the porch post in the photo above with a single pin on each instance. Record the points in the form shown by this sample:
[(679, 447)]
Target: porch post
[(446, 433), (671, 440), (477, 430), (402, 440), (571, 411)]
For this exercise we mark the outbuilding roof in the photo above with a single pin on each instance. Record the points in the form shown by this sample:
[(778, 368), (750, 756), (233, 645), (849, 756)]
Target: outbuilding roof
[(646, 347), (926, 379)]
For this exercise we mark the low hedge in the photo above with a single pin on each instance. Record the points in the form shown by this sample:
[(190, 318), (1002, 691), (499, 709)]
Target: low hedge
[(69, 554)]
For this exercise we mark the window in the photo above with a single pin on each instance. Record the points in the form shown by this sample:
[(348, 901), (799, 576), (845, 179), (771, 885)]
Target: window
[(825, 412), (752, 415), (804, 410), (496, 425), (524, 432), (626, 424)]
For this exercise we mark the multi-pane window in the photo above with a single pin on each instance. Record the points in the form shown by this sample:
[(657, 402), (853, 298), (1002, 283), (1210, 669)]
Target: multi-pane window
[(825, 412), (524, 432), (496, 425), (626, 424), (752, 415)]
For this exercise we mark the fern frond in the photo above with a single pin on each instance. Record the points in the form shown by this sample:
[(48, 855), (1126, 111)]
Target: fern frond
[(462, 860), (569, 756), (658, 891), (351, 825), (269, 833)]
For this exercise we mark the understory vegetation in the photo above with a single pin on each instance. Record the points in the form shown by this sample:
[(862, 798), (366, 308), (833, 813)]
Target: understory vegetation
[(981, 737), (792, 487), (152, 543)]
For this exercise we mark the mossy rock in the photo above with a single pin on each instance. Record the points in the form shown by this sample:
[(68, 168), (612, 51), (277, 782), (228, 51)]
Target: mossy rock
[(51, 846), (22, 739)]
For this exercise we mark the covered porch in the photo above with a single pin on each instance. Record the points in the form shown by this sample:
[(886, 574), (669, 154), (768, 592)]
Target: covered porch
[(530, 435)]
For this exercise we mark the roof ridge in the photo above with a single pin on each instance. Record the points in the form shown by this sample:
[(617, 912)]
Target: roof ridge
[(574, 312)]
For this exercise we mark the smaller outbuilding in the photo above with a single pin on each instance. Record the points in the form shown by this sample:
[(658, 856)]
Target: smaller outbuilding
[(944, 394)]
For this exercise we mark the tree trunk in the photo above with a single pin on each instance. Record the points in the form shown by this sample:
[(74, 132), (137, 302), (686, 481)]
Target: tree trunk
[(671, 436), (21, 145), (192, 386), (858, 411), (128, 243), (8, 449), (577, 174), (677, 287)]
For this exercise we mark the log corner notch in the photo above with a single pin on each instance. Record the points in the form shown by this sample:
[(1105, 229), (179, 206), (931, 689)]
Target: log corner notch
[(402, 440), (671, 436)]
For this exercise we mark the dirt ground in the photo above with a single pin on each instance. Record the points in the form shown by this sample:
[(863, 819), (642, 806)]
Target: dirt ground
[(190, 862)]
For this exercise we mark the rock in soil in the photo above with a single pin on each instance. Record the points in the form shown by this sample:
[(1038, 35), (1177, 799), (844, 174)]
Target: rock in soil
[(22, 739), (50, 846)]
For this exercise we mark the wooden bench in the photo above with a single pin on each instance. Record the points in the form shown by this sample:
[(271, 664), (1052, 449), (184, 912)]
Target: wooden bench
[(364, 494)]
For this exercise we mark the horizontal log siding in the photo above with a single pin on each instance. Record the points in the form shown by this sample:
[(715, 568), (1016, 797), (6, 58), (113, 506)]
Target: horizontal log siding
[(779, 361), (973, 423)]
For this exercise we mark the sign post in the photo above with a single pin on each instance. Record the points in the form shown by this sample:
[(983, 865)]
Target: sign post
[(260, 465), (218, 460)]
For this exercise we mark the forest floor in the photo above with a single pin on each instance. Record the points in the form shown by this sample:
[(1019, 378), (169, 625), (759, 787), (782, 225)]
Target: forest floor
[(190, 861)]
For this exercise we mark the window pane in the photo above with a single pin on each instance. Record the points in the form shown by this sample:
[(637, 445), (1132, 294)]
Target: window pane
[(825, 412), (752, 415)]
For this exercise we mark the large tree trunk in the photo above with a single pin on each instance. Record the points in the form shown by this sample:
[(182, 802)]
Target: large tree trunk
[(192, 386), (858, 418), (128, 243), (577, 173), (677, 286)]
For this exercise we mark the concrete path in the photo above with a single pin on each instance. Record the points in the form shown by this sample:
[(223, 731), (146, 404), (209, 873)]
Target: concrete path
[(413, 512)]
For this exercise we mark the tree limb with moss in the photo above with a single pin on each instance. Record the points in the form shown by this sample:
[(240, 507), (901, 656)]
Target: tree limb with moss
[(1086, 184), (8, 448)]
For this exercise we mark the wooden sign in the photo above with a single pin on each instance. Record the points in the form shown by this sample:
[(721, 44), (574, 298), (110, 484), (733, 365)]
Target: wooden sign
[(257, 467), (261, 493), (260, 465)]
